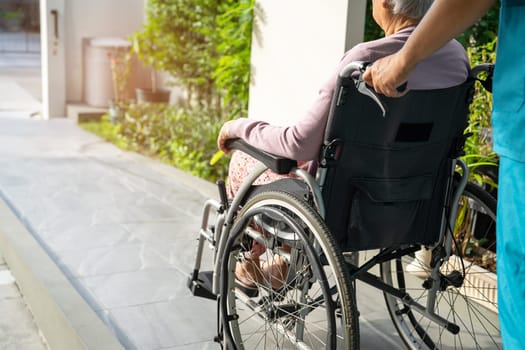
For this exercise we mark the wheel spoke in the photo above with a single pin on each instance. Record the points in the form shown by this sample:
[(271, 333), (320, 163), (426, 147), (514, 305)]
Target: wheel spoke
[(294, 307)]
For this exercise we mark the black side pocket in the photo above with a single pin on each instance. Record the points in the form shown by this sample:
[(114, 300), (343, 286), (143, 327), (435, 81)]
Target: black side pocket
[(386, 212)]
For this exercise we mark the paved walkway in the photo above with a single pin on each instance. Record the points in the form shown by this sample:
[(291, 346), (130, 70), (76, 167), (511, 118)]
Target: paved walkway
[(19, 98), (17, 327), (123, 229)]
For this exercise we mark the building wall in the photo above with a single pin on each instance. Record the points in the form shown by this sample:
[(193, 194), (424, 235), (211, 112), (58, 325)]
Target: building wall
[(95, 18), (296, 46)]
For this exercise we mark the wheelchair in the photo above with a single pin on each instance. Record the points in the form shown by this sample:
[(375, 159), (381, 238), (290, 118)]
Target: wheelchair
[(387, 189)]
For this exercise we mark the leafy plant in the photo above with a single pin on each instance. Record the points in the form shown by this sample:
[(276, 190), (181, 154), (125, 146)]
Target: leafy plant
[(108, 131), (179, 38), (233, 70), (478, 147), (120, 64), (204, 45), (484, 31), (183, 137), (372, 29)]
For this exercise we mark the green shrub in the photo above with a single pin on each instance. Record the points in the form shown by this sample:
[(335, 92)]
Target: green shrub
[(484, 31), (233, 71), (182, 137), (478, 147), (204, 45), (108, 131), (178, 38)]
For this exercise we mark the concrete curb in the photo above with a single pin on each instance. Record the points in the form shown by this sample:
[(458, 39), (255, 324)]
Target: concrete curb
[(64, 317)]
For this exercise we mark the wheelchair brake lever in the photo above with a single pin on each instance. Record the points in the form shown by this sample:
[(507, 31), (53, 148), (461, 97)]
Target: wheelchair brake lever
[(360, 67), (365, 90)]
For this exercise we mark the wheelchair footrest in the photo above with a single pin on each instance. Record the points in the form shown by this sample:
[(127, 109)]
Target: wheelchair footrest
[(201, 284)]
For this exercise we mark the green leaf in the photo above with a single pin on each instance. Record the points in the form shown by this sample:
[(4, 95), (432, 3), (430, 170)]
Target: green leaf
[(216, 157)]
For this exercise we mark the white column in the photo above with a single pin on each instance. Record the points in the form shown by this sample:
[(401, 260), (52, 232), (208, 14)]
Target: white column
[(295, 48), (355, 29), (52, 33)]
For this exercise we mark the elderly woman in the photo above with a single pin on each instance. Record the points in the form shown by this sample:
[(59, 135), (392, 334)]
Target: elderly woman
[(398, 18)]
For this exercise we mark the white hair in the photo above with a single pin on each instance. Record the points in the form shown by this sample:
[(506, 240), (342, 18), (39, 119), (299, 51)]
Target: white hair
[(410, 8)]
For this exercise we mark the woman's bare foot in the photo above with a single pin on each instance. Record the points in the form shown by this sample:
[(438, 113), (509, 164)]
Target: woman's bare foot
[(275, 271), (248, 272), (252, 272)]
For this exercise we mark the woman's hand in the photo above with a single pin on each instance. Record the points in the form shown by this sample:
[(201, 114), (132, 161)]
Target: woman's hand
[(386, 74), (223, 137)]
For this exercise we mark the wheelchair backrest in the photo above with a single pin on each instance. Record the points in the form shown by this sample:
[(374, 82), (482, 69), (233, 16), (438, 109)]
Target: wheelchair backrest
[(386, 175)]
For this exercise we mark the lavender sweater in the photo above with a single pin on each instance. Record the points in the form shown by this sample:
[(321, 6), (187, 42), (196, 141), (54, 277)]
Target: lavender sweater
[(445, 68)]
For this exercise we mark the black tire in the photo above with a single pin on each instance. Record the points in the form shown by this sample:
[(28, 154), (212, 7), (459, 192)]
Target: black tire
[(312, 305), (489, 174), (476, 224), (472, 306)]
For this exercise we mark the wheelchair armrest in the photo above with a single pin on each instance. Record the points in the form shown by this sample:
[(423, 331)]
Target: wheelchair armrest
[(277, 164)]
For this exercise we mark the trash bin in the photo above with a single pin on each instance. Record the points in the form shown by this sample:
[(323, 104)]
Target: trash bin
[(98, 83)]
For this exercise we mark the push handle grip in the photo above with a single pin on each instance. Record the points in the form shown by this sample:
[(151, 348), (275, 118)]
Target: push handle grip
[(360, 67)]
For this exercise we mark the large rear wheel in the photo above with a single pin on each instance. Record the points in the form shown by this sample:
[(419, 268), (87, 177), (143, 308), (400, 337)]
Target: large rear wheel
[(467, 296), (297, 294)]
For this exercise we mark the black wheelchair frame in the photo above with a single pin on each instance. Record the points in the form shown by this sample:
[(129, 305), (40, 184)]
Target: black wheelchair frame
[(290, 219)]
